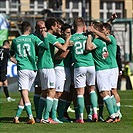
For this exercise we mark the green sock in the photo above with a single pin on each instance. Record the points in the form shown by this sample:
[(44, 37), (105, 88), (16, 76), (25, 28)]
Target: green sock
[(80, 103), (41, 106), (48, 107), (19, 111), (28, 110), (61, 108), (93, 99), (36, 103), (54, 108), (114, 103), (118, 106), (109, 104)]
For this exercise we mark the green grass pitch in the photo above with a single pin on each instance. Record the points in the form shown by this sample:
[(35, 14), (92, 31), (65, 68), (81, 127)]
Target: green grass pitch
[(8, 110)]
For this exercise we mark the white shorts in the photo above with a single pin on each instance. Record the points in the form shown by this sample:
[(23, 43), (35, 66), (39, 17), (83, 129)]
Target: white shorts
[(47, 78), (68, 79), (60, 78), (26, 79), (103, 80), (84, 76), (114, 77)]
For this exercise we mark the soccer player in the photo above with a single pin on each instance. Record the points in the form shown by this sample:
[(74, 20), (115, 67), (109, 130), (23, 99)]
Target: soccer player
[(4, 56), (23, 47), (84, 69), (39, 29), (47, 73), (100, 55), (62, 63), (112, 47)]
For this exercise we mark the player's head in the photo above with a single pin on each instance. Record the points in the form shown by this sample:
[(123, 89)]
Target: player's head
[(51, 24), (60, 23), (40, 26), (107, 28), (6, 44), (79, 22), (25, 27), (66, 30), (98, 26)]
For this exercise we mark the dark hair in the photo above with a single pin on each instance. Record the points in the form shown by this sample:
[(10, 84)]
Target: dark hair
[(107, 26), (65, 26), (25, 26), (50, 22), (98, 26), (5, 42), (60, 21)]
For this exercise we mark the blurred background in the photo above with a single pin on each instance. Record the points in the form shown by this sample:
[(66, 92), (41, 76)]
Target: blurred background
[(13, 12)]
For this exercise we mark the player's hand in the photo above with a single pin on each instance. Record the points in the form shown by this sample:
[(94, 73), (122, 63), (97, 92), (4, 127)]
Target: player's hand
[(44, 33), (113, 16)]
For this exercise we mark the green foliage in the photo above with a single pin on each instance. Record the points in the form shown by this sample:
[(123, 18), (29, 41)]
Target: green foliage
[(8, 110)]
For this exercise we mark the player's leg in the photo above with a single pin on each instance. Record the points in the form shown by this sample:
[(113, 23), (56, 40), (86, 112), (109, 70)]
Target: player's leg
[(37, 93), (80, 83), (91, 90), (25, 85), (50, 84), (88, 106), (114, 79), (19, 111), (5, 86), (103, 84)]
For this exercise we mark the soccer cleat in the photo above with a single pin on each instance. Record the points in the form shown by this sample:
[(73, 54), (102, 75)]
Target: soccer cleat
[(52, 121), (44, 121), (89, 119), (94, 117), (58, 121), (31, 121), (110, 120), (65, 120), (9, 99), (100, 118), (15, 120), (80, 121)]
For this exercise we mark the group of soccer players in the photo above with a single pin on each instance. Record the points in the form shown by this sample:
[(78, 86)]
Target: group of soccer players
[(67, 67)]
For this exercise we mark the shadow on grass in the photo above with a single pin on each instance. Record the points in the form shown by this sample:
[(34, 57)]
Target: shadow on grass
[(10, 119)]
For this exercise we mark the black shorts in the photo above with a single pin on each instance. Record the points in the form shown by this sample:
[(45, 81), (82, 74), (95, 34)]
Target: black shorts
[(3, 76)]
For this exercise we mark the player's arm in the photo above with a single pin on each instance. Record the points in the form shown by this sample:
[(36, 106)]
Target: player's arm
[(65, 46), (100, 34), (89, 45), (12, 59), (61, 54), (44, 44), (112, 18)]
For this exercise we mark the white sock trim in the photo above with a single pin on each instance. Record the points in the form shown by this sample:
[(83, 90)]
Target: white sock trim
[(55, 99), (49, 98), (22, 107), (92, 92), (26, 104), (106, 97), (118, 104), (80, 96)]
